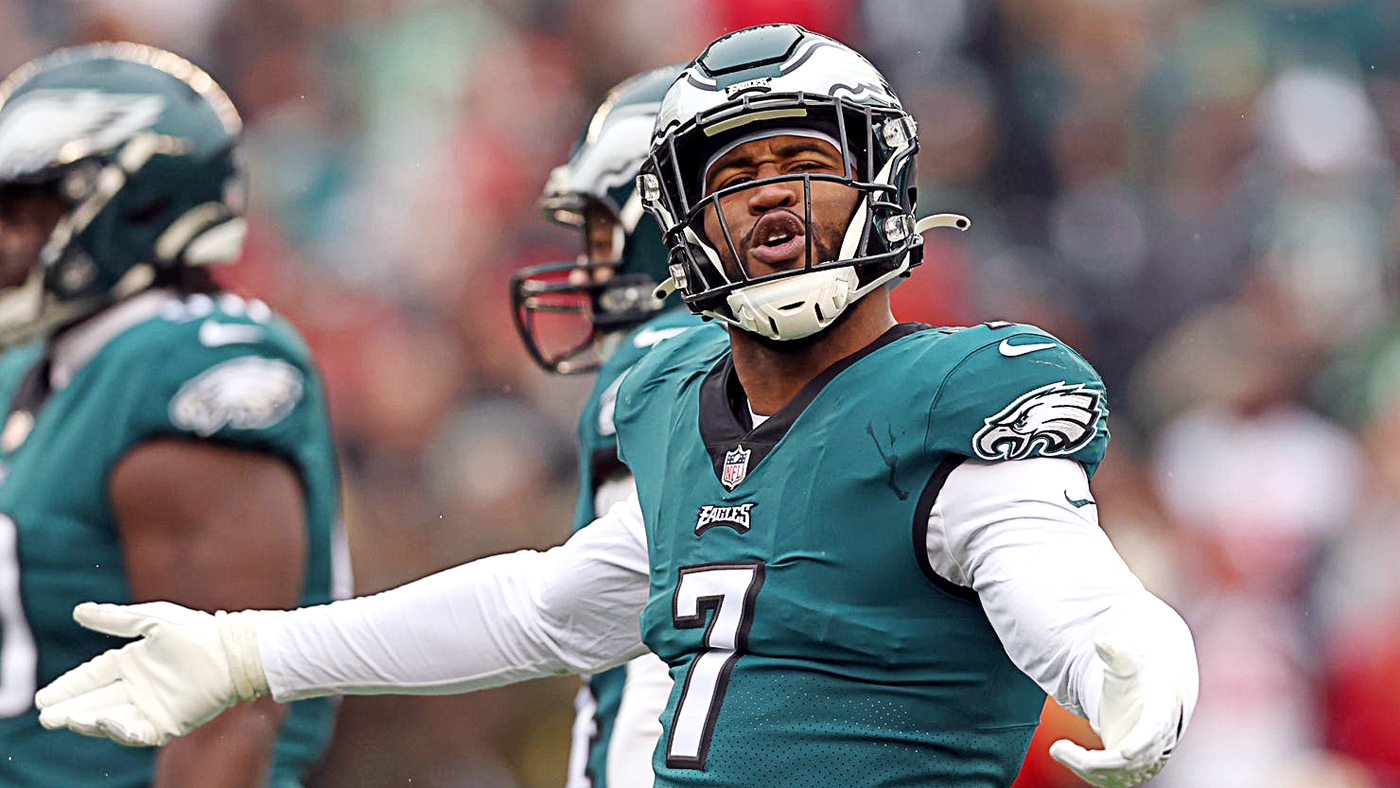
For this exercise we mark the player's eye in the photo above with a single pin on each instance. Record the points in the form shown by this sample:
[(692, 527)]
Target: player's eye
[(733, 180), (813, 165)]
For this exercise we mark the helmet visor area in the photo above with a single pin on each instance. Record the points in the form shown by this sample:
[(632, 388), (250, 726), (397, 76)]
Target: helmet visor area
[(683, 157)]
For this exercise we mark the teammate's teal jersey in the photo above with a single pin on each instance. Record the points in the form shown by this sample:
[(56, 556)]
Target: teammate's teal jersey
[(597, 436), (810, 642), (219, 369), (597, 441)]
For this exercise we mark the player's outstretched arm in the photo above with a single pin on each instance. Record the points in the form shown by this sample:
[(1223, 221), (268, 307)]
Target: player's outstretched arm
[(490, 622), (1070, 613)]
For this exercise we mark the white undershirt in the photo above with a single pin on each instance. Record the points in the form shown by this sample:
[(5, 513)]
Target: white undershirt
[(756, 419), (1047, 576)]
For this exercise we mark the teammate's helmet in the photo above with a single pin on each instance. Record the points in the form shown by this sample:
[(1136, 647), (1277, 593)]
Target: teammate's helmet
[(764, 80), (141, 148), (567, 313)]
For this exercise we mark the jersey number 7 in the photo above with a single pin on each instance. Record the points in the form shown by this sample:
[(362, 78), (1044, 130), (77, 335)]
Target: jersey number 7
[(729, 590)]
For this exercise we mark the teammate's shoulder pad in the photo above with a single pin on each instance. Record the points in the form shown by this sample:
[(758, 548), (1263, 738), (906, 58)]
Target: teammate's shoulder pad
[(645, 338), (219, 364), (201, 329), (683, 354)]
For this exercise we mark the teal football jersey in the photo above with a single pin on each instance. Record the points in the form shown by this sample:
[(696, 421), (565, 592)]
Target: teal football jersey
[(810, 642), (598, 462), (597, 435), (218, 369)]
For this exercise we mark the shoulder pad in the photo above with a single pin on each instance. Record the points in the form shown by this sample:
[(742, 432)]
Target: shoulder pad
[(1018, 392), (683, 354), (216, 366), (634, 346), (654, 384)]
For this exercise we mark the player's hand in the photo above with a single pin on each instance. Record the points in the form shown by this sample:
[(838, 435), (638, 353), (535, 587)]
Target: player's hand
[(1142, 716), (187, 667)]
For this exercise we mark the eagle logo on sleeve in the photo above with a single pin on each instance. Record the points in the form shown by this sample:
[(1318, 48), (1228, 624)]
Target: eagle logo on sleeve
[(245, 393), (1050, 421)]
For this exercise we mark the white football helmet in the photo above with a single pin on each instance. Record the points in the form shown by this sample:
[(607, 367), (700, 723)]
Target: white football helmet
[(784, 79)]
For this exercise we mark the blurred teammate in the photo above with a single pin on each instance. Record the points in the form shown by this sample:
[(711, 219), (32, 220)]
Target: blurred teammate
[(600, 314), (864, 549), (161, 440)]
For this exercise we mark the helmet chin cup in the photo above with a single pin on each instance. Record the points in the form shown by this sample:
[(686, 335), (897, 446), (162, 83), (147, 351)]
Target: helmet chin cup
[(795, 306)]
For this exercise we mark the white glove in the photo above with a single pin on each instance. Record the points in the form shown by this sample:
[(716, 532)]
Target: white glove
[(1141, 718), (187, 667)]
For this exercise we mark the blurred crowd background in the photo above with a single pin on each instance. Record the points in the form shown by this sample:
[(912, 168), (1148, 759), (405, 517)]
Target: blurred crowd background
[(1199, 195)]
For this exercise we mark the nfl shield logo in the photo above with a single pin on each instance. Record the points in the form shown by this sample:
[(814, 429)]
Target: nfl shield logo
[(736, 467)]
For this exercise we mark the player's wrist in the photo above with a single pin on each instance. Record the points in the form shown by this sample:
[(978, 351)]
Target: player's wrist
[(1164, 651), (239, 638)]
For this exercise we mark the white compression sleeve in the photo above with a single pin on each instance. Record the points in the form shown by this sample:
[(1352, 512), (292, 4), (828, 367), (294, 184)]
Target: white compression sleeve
[(1048, 577), (494, 621)]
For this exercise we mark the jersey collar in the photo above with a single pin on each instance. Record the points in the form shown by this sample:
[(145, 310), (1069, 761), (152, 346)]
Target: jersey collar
[(725, 423)]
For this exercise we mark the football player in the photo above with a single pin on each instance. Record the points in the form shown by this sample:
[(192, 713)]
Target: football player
[(161, 440), (865, 549), (600, 314)]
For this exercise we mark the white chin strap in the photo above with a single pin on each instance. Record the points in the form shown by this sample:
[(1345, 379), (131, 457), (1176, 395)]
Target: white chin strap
[(796, 306)]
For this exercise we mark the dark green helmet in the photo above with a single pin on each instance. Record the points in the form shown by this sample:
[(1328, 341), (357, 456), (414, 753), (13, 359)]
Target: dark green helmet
[(142, 149), (566, 312)]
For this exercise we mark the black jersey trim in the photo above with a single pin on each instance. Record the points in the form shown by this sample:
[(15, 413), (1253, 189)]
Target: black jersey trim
[(724, 412), (604, 463), (921, 513), (34, 388)]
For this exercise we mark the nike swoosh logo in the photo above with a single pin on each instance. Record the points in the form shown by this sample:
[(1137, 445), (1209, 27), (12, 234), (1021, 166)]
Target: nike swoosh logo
[(213, 333), (1079, 503), (649, 337), (1012, 351)]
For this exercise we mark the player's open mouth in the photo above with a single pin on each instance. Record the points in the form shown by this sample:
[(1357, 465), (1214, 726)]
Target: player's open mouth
[(778, 238)]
